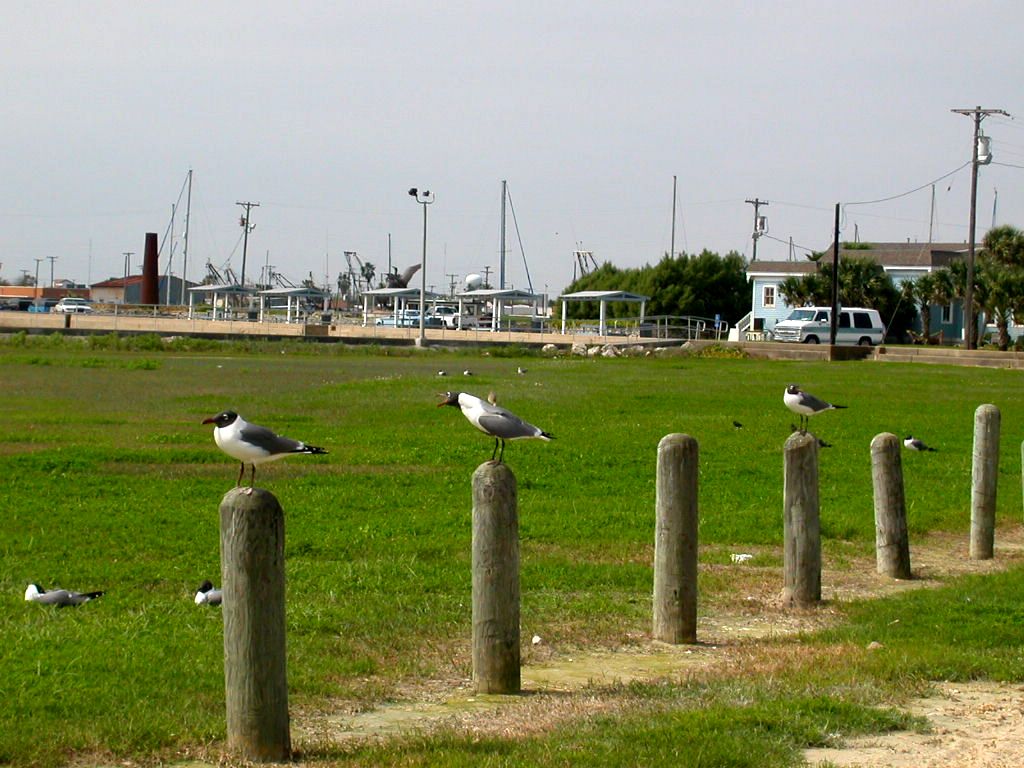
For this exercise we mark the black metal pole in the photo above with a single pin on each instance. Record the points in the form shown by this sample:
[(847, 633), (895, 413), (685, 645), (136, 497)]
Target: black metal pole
[(835, 282)]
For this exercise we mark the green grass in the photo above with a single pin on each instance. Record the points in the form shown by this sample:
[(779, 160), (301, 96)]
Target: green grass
[(110, 482)]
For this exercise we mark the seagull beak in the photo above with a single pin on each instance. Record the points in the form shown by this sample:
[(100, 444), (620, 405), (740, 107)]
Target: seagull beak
[(210, 420)]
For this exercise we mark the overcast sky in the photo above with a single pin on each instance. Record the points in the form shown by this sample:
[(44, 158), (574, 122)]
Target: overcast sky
[(327, 113)]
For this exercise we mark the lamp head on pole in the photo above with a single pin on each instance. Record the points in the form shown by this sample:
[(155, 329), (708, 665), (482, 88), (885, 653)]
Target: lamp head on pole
[(423, 197)]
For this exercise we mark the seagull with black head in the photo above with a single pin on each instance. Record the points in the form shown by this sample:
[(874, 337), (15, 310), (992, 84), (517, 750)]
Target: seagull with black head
[(252, 444), (493, 420)]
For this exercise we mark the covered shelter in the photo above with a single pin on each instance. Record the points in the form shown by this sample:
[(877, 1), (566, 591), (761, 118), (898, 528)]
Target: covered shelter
[(295, 298), (399, 299), (499, 299), (603, 297), (216, 294)]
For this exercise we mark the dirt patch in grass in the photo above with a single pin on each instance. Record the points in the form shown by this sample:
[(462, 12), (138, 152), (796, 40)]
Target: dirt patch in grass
[(738, 629)]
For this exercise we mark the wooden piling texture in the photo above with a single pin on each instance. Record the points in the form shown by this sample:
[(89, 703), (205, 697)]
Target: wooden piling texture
[(984, 477), (675, 541), (892, 543), (495, 565), (801, 521), (255, 675)]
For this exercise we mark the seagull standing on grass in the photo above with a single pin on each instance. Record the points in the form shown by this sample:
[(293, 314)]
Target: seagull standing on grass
[(914, 444), (208, 595), (493, 420), (805, 405), (57, 596), (252, 444)]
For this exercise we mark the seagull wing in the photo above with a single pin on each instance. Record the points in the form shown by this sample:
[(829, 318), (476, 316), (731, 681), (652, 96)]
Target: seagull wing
[(505, 424), (266, 440)]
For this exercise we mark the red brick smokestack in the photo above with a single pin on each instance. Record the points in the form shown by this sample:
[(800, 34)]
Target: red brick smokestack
[(150, 272)]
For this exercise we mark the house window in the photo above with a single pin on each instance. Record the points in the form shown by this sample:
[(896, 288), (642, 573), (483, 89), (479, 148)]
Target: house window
[(947, 313), (768, 297)]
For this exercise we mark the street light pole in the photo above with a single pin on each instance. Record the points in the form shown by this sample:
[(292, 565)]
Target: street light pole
[(35, 285), (424, 198)]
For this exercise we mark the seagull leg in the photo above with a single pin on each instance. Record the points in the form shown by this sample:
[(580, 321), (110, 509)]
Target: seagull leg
[(241, 472), (495, 451), (252, 481), (501, 455)]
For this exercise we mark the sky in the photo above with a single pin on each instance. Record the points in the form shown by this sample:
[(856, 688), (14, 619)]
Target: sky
[(327, 113)]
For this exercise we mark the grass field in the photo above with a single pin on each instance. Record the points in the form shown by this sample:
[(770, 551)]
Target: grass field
[(110, 482)]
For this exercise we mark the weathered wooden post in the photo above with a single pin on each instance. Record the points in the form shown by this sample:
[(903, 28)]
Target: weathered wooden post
[(801, 524), (675, 541), (255, 675), (984, 476), (495, 580), (892, 543)]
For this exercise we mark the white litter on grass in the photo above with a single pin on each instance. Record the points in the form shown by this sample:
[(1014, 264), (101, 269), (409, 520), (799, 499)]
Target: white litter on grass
[(741, 557)]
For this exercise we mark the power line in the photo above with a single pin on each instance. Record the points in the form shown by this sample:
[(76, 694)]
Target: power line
[(909, 192)]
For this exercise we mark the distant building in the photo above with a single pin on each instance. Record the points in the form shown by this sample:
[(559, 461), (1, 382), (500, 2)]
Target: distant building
[(901, 261), (128, 290)]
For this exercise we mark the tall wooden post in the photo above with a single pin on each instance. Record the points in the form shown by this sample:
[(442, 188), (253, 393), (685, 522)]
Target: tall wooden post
[(984, 477), (495, 567), (675, 541), (801, 525), (892, 543), (255, 675)]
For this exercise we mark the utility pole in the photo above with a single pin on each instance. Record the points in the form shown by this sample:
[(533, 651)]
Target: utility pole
[(35, 285), (672, 242), (759, 223), (246, 229), (487, 275), (52, 260), (127, 265), (453, 278), (978, 114)]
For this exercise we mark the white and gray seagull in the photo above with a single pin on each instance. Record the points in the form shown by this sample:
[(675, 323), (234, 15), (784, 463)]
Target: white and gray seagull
[(914, 444), (207, 594), (252, 444), (493, 420), (57, 596), (805, 405)]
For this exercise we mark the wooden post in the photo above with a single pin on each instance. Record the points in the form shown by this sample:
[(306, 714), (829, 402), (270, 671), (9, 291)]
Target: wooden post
[(800, 521), (984, 476), (675, 541), (255, 675), (892, 544), (495, 580)]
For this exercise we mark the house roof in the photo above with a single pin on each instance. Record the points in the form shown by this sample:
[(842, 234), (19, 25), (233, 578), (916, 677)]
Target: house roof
[(889, 255), (118, 282), (507, 294)]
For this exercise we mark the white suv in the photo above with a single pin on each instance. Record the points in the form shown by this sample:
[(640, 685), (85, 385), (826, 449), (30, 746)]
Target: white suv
[(71, 305), (812, 325)]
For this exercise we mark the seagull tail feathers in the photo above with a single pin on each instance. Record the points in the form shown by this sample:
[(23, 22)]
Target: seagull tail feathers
[(312, 449), (92, 595), (840, 407), (546, 435)]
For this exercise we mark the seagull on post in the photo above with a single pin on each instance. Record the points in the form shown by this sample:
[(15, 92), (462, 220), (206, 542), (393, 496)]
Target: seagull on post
[(494, 421), (208, 595), (252, 444), (57, 596), (805, 405)]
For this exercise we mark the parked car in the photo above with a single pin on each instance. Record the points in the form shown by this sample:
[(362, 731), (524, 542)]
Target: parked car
[(72, 305), (410, 318), (812, 325), (41, 305)]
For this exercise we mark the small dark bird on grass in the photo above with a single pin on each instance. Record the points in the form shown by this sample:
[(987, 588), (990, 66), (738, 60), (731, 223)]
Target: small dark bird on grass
[(57, 596), (493, 420), (252, 444), (737, 424), (912, 443)]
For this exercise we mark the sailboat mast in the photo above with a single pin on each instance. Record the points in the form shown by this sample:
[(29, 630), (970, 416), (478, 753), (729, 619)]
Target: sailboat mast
[(672, 246), (184, 250), (501, 269)]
